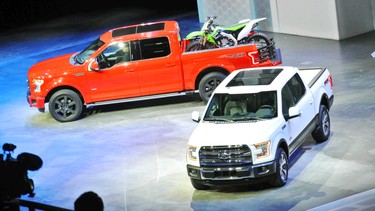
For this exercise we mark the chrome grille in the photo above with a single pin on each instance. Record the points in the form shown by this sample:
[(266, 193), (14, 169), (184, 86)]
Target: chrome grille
[(225, 156)]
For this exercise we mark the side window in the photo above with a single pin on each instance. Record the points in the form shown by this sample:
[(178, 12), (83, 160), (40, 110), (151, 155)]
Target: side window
[(154, 48), (287, 99), (123, 53), (297, 87), (292, 92), (117, 53)]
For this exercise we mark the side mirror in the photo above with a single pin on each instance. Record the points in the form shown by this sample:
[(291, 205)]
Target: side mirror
[(294, 112), (195, 116), (94, 66)]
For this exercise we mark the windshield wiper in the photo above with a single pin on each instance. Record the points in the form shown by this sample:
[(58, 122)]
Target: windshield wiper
[(218, 119), (247, 118)]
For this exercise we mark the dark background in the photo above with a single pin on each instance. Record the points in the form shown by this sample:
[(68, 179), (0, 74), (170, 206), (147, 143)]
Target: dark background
[(15, 13)]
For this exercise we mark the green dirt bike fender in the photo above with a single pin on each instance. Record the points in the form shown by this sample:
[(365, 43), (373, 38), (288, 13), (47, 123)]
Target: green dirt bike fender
[(195, 34)]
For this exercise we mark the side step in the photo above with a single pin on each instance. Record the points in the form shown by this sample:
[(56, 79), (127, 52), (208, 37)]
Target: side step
[(149, 97)]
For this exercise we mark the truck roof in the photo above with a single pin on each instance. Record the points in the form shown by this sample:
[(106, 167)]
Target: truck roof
[(137, 31), (256, 79)]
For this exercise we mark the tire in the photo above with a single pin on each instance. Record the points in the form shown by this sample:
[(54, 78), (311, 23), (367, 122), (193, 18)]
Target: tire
[(208, 84), (260, 40), (197, 184), (323, 129), (196, 45), (280, 178), (65, 105)]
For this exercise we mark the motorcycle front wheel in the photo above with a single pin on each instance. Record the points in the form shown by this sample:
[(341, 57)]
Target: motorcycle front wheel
[(259, 39), (196, 45)]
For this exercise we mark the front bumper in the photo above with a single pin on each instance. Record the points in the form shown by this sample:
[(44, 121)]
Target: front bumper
[(229, 175), (35, 101)]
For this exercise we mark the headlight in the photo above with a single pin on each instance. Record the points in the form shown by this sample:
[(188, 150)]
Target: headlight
[(263, 149), (38, 83), (192, 152)]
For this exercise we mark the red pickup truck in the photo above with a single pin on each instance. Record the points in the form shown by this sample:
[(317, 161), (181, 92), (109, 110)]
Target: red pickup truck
[(137, 62)]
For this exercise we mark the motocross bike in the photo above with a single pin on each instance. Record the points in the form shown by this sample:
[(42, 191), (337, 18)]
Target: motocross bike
[(212, 35)]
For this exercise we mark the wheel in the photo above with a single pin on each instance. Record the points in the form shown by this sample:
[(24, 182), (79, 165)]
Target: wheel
[(260, 40), (198, 184), (208, 84), (322, 131), (281, 176), (196, 45), (65, 105)]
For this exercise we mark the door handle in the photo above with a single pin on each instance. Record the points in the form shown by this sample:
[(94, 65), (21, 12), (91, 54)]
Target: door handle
[(170, 64)]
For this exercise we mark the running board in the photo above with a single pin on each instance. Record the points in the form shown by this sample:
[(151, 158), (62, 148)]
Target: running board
[(149, 97)]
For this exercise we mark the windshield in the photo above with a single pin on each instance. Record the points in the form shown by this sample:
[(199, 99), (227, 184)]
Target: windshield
[(235, 107), (83, 55)]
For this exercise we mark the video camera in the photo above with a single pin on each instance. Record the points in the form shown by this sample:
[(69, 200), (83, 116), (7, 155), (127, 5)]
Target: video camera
[(14, 180)]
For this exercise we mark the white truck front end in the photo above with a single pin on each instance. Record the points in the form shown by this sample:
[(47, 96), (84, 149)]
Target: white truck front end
[(239, 151)]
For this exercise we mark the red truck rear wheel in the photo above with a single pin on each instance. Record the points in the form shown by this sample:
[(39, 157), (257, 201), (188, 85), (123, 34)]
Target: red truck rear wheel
[(209, 83)]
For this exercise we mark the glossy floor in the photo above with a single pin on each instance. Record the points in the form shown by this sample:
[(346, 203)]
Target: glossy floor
[(133, 154)]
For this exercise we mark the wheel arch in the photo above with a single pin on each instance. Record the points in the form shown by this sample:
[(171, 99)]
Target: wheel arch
[(282, 144), (56, 89), (325, 101), (209, 70)]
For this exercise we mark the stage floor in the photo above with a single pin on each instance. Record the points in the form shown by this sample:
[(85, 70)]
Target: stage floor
[(133, 154)]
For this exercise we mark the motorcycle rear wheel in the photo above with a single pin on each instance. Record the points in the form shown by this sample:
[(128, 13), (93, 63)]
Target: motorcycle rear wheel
[(259, 39)]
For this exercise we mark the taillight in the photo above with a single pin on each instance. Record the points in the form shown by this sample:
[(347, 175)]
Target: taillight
[(254, 57), (330, 81)]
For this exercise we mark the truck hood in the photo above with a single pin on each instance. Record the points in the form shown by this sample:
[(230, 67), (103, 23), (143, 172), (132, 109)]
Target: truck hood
[(53, 66), (214, 134)]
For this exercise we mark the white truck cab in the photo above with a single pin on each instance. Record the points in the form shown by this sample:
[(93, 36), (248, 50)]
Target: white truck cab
[(255, 119)]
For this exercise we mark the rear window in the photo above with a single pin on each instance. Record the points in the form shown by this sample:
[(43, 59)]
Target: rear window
[(155, 47)]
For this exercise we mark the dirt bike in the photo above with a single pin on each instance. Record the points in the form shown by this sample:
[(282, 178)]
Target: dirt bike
[(212, 35)]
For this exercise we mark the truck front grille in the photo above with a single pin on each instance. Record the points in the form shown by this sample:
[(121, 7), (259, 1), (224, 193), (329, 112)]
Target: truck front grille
[(225, 156)]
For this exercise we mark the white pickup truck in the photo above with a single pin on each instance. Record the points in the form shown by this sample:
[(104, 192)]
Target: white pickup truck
[(255, 119)]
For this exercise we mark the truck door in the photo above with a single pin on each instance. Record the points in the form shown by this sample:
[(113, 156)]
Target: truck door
[(159, 69), (294, 93), (118, 79)]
